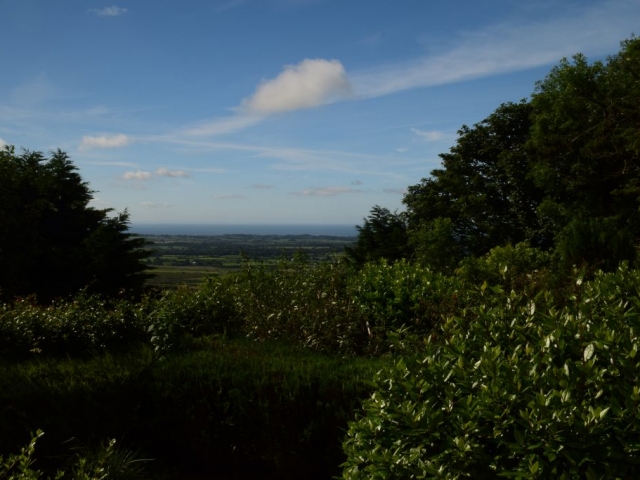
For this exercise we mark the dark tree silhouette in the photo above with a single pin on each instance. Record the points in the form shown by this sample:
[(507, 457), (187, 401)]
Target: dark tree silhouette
[(52, 243), (383, 235)]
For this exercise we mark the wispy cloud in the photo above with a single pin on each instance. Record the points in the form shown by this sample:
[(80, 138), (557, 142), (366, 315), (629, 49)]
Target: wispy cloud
[(34, 92), (496, 49), (229, 196), (261, 186), (372, 40), (325, 191), (296, 159), (112, 11), (224, 125), (428, 136), (507, 47), (209, 170), (395, 191), (137, 175), (112, 164), (154, 205), (104, 141), (165, 172), (402, 149), (356, 182), (230, 5)]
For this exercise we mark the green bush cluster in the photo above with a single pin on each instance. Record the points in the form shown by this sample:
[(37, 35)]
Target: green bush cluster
[(513, 387), (185, 313), (298, 303), (329, 307), (391, 297), (82, 326), (532, 376)]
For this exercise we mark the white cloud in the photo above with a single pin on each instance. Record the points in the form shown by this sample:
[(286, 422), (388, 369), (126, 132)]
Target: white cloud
[(2, 143), (112, 11), (428, 136), (104, 141), (509, 47), (310, 83), (402, 149), (165, 172), (325, 191), (137, 175)]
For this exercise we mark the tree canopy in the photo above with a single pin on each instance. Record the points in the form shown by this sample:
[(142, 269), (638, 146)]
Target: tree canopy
[(560, 171), (383, 235), (586, 136), (52, 243), (483, 188)]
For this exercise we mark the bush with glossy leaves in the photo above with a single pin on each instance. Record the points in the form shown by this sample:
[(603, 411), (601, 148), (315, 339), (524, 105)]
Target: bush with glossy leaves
[(514, 387)]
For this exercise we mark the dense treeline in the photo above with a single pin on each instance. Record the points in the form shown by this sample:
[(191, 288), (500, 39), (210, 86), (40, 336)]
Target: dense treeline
[(500, 311)]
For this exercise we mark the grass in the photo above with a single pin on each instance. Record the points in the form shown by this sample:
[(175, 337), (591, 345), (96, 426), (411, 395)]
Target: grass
[(216, 406)]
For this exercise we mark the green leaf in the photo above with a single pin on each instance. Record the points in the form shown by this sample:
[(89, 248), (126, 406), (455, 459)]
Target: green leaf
[(588, 352), (519, 436)]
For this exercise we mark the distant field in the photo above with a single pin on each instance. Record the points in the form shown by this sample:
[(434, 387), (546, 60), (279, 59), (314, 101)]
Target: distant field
[(175, 276), (189, 260)]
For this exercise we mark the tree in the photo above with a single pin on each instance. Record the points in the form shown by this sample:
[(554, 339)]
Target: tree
[(483, 194), (383, 235), (585, 134), (52, 243), (561, 171)]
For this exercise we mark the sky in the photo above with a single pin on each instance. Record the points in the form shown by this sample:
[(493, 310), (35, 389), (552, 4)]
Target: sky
[(274, 111)]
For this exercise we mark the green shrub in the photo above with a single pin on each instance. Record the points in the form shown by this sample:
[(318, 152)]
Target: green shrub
[(18, 466), (513, 387), (305, 305), (185, 313), (391, 297), (520, 267), (82, 326)]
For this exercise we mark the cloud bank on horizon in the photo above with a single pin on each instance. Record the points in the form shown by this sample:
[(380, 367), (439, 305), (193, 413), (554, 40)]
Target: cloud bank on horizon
[(265, 100)]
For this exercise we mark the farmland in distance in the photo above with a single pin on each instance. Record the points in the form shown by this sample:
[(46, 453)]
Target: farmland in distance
[(189, 259)]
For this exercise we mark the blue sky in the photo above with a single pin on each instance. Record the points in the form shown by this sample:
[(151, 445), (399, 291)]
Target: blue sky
[(274, 111)]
